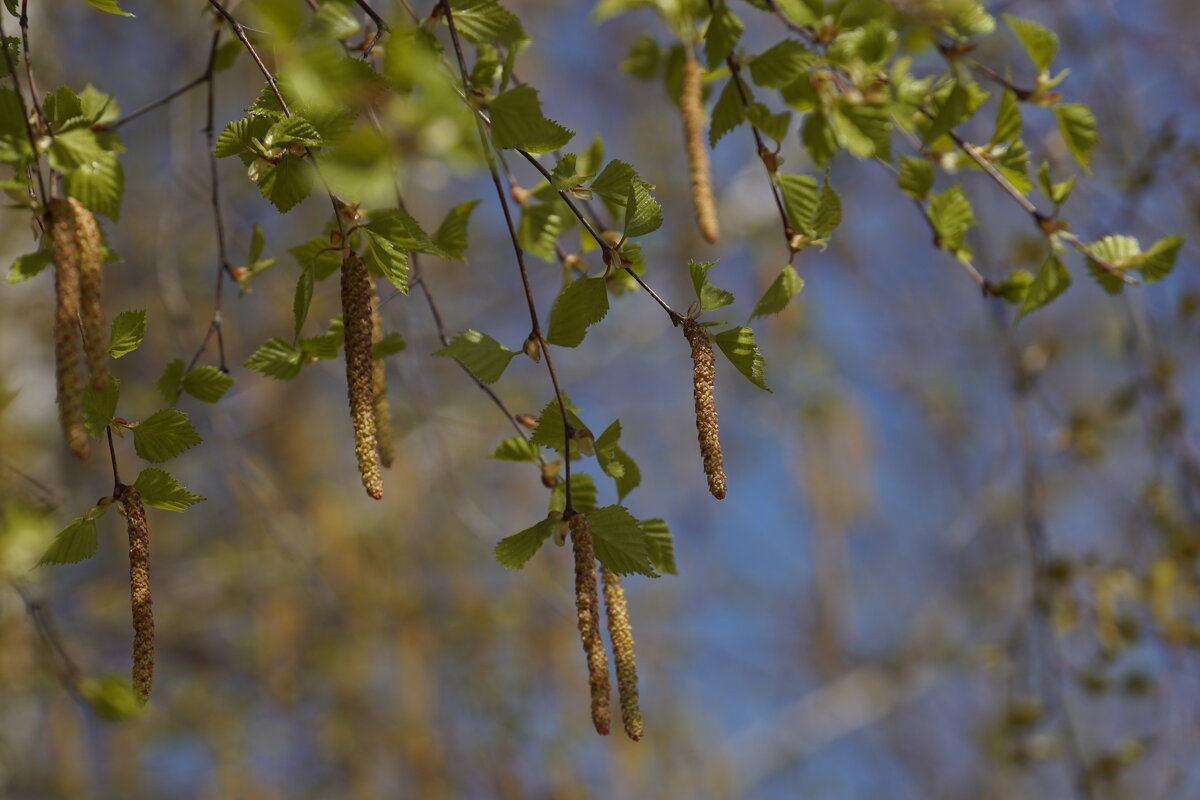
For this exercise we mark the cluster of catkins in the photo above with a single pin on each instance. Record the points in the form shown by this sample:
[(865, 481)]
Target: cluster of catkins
[(79, 328), (366, 378)]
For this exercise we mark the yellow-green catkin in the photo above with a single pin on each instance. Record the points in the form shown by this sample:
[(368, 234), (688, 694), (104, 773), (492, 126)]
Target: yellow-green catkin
[(91, 294), (620, 631), (692, 110), (67, 348), (139, 591), (360, 371), (383, 409), (704, 372), (587, 606)]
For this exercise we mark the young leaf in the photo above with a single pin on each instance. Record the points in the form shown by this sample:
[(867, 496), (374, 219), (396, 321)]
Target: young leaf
[(481, 354), (710, 296), (160, 490), (286, 183), (620, 542), (486, 21), (787, 284), (110, 6), (723, 31), (631, 476), (799, 200), (659, 545), (390, 344), (1008, 119), (581, 304), (517, 122), (583, 494), (773, 125), (99, 407), (277, 359), (1159, 260), (1051, 281), (549, 431), (514, 551), (206, 384), (169, 383), (727, 114), (74, 543), (1040, 43), (128, 330), (385, 258), (951, 214), (517, 448), (781, 65), (451, 235), (164, 435), (829, 211), (738, 346), (643, 214), (303, 298), (98, 184), (1078, 127), (28, 265)]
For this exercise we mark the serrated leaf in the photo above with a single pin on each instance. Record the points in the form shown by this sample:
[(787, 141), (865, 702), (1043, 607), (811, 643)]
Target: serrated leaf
[(1051, 281), (287, 182), (237, 135), (581, 304), (1008, 118), (540, 226), (277, 359), (110, 6), (390, 344), (335, 20), (226, 55), (775, 299), (292, 130), (207, 384), (583, 494), (631, 476), (829, 211), (388, 260), (451, 235), (1040, 43), (643, 58), (517, 122), (402, 231), (163, 435), (916, 177), (28, 265), (517, 448), (303, 298), (620, 542), (723, 31), (612, 184), (799, 200), (1120, 252), (99, 185), (728, 113), (1057, 192), (710, 296), (605, 447), (128, 331), (953, 110), (1159, 260), (73, 148), (514, 551), (171, 381), (951, 215), (160, 490), (486, 21), (74, 543), (1078, 127), (481, 354), (773, 125), (659, 545), (864, 130), (781, 65), (99, 407), (819, 138), (739, 347), (643, 214), (549, 431)]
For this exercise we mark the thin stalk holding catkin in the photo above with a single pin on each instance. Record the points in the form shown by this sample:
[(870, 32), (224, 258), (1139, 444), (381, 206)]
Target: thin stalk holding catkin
[(356, 320), (587, 607), (379, 398), (704, 372), (692, 110), (67, 350), (620, 631), (139, 591), (90, 248)]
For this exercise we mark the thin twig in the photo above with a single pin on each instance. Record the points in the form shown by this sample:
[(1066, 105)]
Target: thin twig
[(162, 101), (112, 455), (240, 32), (12, 71)]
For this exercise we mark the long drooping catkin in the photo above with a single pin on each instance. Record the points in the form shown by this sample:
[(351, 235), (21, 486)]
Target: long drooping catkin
[(587, 607), (379, 398), (704, 373), (621, 633), (91, 289), (139, 591), (692, 110), (360, 378), (66, 326)]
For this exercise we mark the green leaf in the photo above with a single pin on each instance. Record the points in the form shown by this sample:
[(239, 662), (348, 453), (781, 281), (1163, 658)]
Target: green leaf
[(659, 545), (517, 122), (1078, 127), (13, 45), (514, 551), (773, 125), (829, 211), (620, 542), (540, 227), (160, 490), (819, 138), (390, 344), (581, 304), (583, 494), (335, 20), (128, 330), (569, 173), (864, 130), (486, 21), (385, 258), (952, 111), (481, 354), (28, 265), (781, 65), (723, 31), (710, 296), (605, 447), (799, 200), (1120, 252), (303, 298), (517, 448), (643, 58), (951, 215), (728, 113), (916, 176), (164, 435), (111, 697), (277, 359), (643, 214), (74, 543), (631, 476), (786, 285), (1057, 192), (967, 18), (207, 384), (1008, 118), (286, 183), (110, 6), (1040, 43), (612, 184), (99, 407), (292, 130), (237, 135), (402, 231), (451, 235), (99, 185), (738, 346), (1159, 260), (227, 54), (549, 431), (74, 148), (1051, 281), (171, 381)]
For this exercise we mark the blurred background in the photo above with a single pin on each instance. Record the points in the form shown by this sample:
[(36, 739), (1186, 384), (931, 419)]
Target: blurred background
[(957, 558)]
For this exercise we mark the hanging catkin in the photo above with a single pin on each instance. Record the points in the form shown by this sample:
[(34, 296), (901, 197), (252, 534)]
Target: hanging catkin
[(621, 633), (379, 398), (692, 110), (360, 372), (91, 294), (139, 590), (66, 326), (587, 606), (704, 373)]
